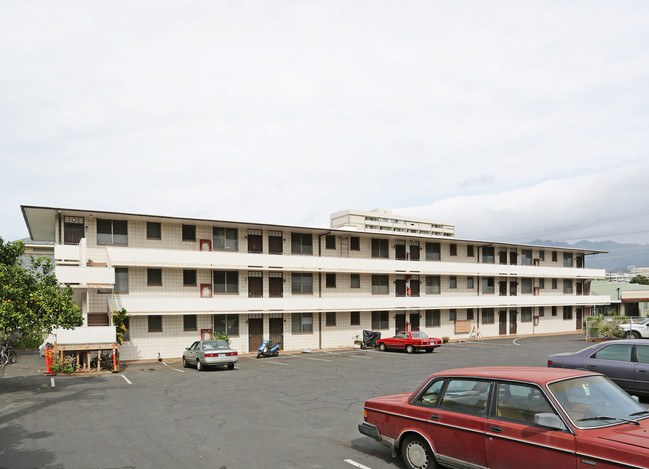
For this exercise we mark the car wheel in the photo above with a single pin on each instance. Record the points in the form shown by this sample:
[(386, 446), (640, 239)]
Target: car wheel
[(199, 365), (635, 335), (382, 347), (184, 363), (430, 350), (410, 348), (230, 366), (416, 453)]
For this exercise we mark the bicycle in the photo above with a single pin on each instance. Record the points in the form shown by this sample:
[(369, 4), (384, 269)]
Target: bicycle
[(8, 354)]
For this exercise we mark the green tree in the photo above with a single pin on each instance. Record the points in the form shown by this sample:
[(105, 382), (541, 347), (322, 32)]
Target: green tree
[(641, 279), (31, 299)]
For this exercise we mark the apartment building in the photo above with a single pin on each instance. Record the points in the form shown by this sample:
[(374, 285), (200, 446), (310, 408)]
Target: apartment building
[(182, 279)]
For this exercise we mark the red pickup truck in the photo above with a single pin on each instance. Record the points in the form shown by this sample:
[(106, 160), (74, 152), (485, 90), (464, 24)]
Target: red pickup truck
[(409, 341)]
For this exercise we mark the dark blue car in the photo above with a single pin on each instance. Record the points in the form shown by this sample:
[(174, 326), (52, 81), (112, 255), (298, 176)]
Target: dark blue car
[(626, 362)]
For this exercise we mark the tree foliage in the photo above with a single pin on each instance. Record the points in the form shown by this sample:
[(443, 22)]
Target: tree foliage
[(641, 279), (119, 321), (31, 299)]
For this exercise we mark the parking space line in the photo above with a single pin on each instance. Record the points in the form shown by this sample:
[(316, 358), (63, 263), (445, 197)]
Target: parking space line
[(172, 368), (126, 379), (307, 358), (356, 464), (52, 384)]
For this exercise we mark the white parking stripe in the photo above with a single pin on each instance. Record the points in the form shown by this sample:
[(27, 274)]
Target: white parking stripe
[(356, 464), (307, 358), (52, 383), (275, 363), (171, 367), (126, 379)]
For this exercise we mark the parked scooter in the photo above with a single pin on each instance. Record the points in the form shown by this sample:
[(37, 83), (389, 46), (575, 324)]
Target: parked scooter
[(266, 350)]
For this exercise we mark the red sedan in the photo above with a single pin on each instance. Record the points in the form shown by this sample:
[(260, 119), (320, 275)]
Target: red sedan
[(409, 341), (510, 418)]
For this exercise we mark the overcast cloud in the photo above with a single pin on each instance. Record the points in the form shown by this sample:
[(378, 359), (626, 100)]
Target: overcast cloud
[(514, 120)]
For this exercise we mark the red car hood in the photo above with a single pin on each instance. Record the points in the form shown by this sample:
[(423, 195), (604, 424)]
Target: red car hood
[(630, 434), (384, 402)]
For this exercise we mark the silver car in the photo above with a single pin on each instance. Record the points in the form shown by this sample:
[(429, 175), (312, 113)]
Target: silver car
[(204, 353)]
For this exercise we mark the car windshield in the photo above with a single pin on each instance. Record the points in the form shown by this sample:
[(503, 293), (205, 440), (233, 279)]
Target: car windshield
[(214, 344), (593, 401), (419, 335)]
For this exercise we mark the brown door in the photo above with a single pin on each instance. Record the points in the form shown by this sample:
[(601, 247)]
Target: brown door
[(414, 287), (275, 287), (580, 315), (513, 288), (400, 252), (255, 333), (414, 252), (502, 322), (255, 287), (513, 258), (414, 321), (400, 322), (502, 288), (276, 331), (275, 244), (255, 243), (513, 315), (502, 257), (73, 230), (400, 288)]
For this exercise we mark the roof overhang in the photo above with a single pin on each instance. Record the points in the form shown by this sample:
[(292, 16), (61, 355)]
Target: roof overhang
[(40, 222)]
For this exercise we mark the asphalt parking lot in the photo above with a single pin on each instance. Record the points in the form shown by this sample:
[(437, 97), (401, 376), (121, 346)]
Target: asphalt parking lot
[(293, 411)]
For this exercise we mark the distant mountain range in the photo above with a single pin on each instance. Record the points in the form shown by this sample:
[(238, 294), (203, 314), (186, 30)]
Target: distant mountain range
[(617, 258)]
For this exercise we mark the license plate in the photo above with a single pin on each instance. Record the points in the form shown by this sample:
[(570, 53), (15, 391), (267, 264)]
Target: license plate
[(221, 354)]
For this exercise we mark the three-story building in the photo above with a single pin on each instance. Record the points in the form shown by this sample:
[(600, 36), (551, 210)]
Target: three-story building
[(182, 279)]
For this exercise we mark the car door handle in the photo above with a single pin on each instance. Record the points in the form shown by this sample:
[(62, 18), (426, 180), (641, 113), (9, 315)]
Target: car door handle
[(434, 417), (495, 428), (642, 371)]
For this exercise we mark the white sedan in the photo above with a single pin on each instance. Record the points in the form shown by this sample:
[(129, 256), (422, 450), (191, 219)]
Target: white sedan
[(204, 353)]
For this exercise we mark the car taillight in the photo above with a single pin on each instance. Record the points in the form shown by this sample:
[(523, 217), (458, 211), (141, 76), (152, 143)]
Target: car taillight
[(550, 363), (232, 354), (210, 354)]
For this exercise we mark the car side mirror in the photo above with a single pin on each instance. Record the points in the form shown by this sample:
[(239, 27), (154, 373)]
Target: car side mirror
[(549, 420), (635, 398), (186, 348)]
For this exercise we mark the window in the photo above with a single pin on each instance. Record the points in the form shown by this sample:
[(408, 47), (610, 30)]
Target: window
[(469, 314), (488, 285), (526, 285), (433, 318), (554, 256), (380, 248), (433, 251), (225, 239), (526, 314), (520, 402), (226, 281), (301, 243), (379, 320), (452, 314), (542, 283), (642, 351), (189, 232), (301, 283), (155, 323), (433, 284), (526, 257), (430, 395), (380, 285), (541, 311), (567, 286), (470, 251), (469, 282), (567, 259), (121, 282), (452, 281), (302, 323), (554, 311), (355, 243), (227, 324), (554, 283), (466, 396), (355, 281), (330, 280), (330, 242), (355, 318), (126, 335), (567, 312), (153, 230), (113, 232), (488, 316), (189, 322), (541, 255), (189, 278), (488, 255), (330, 319), (154, 277), (618, 352), (452, 249)]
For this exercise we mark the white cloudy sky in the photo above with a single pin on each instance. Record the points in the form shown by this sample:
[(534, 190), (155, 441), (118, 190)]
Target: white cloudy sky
[(515, 120)]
